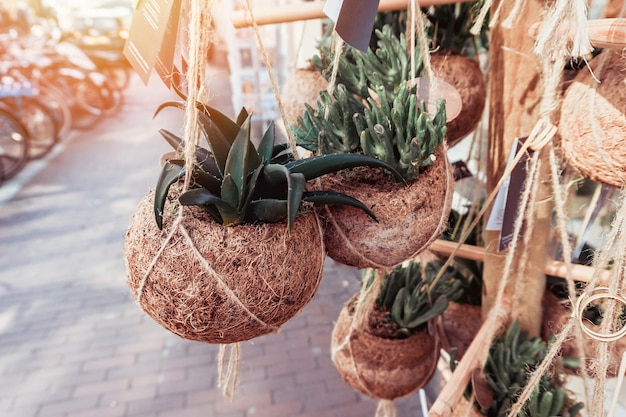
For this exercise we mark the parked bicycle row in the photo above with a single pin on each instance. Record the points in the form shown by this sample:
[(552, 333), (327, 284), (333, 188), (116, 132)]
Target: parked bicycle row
[(50, 86)]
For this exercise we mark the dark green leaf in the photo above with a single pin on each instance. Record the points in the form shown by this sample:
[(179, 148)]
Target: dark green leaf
[(319, 165), (229, 191), (295, 188), (268, 210), (174, 141), (207, 180), (217, 140), (170, 173), (266, 145), (332, 197), (202, 197), (242, 161), (229, 128), (242, 116)]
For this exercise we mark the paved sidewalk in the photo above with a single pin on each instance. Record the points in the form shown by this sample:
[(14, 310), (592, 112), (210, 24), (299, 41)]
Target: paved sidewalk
[(72, 341)]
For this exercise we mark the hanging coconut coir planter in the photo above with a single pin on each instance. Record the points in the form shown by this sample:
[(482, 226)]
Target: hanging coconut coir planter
[(241, 251), (593, 120), (465, 75), (378, 367), (409, 216), (221, 284)]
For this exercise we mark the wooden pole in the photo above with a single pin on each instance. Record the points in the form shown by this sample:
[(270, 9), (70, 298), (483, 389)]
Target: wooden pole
[(312, 10), (580, 273), (514, 97)]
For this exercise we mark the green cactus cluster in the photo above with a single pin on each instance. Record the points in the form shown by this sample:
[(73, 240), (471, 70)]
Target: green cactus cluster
[(238, 183), (407, 296), (374, 110), (511, 359)]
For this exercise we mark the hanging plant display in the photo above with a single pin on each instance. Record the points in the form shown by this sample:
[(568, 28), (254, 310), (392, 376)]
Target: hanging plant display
[(462, 318), (557, 312), (387, 351), (412, 210), (240, 252), (511, 359), (593, 123), (455, 61)]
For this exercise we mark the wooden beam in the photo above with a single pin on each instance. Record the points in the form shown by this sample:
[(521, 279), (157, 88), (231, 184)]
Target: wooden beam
[(312, 10), (580, 273)]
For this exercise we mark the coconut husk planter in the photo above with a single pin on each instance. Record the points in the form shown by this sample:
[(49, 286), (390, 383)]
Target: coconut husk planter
[(379, 367), (555, 317), (593, 124), (460, 324), (219, 284), (409, 216), (465, 75), (302, 86)]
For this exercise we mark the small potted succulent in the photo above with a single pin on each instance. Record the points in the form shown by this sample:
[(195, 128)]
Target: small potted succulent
[(511, 359), (364, 115), (240, 251), (391, 352)]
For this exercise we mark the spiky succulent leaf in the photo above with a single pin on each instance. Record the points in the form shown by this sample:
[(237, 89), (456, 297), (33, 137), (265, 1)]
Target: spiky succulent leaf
[(214, 205), (265, 147), (270, 210), (333, 197), (319, 165), (170, 173)]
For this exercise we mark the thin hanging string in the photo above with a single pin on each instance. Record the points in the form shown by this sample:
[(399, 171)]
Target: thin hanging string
[(385, 408), (564, 31), (228, 369), (199, 38), (559, 192), (514, 14), (268, 68), (418, 26), (337, 50), (539, 134), (196, 79)]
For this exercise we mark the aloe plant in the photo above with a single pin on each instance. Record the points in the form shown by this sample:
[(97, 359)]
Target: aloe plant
[(510, 361), (238, 183), (405, 294)]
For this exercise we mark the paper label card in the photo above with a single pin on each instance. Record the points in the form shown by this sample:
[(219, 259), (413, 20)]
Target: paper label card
[(164, 64), (514, 192), (506, 205), (147, 30), (354, 20)]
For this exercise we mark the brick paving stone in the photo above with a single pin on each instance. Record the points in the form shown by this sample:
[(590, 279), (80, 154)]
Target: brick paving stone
[(61, 408), (205, 410), (289, 409), (156, 405), (100, 387), (243, 403), (107, 411), (158, 378), (127, 395)]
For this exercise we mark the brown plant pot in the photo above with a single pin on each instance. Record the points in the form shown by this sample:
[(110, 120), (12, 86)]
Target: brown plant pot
[(409, 217), (465, 75), (382, 368), (460, 323), (592, 125), (221, 284), (556, 315), (302, 86)]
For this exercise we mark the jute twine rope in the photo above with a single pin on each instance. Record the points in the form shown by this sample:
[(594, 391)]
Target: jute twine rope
[(268, 67), (364, 305)]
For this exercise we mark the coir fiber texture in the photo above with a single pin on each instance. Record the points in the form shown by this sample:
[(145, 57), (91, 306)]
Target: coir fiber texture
[(593, 124), (409, 217), (220, 284), (382, 368)]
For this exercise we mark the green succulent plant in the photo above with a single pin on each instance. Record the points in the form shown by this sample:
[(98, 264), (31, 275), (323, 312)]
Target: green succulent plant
[(405, 294), (374, 111), (238, 183), (394, 129), (511, 359)]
